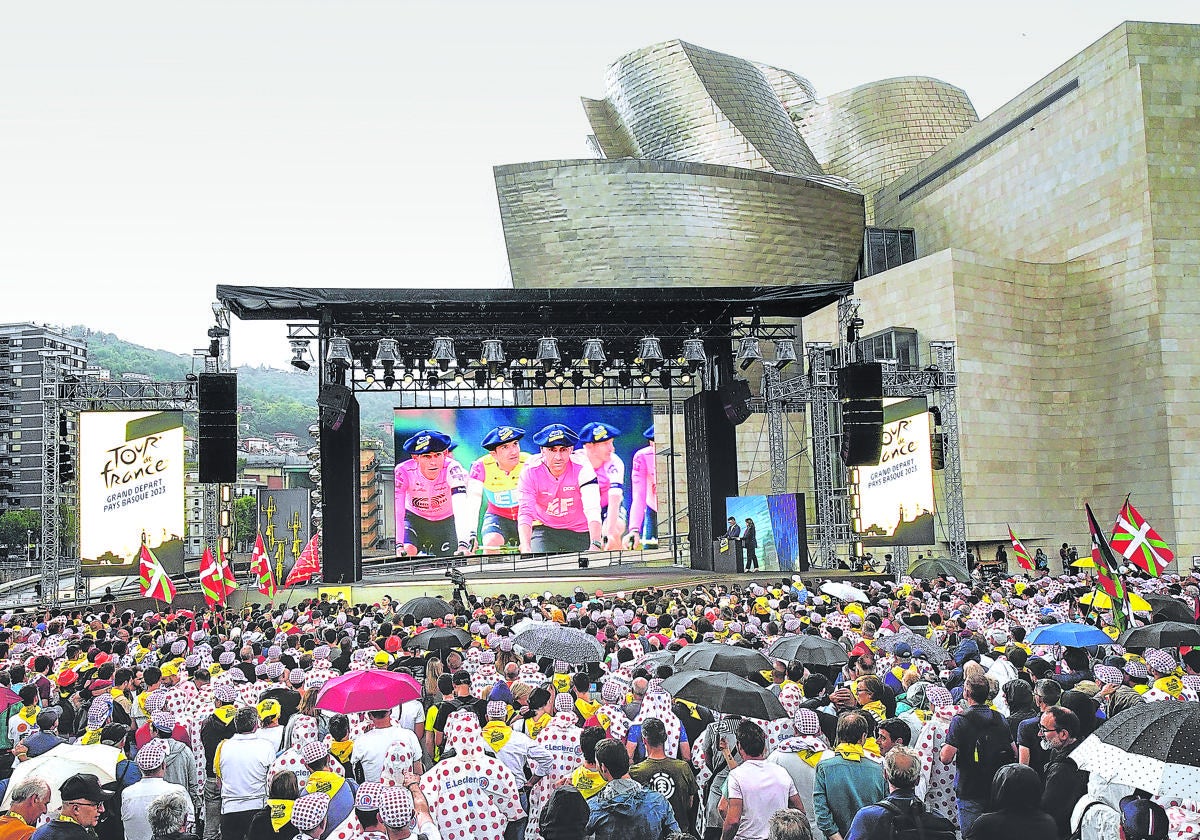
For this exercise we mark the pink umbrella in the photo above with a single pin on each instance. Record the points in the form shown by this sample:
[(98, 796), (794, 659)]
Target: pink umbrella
[(366, 691)]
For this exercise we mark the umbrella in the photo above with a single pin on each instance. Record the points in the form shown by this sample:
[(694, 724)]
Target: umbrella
[(922, 648), (1084, 563), (712, 656), (1170, 608), (659, 657), (439, 638), (1152, 746), (367, 691), (1070, 635), (559, 642), (62, 762), (725, 692), (928, 569), (1101, 601), (425, 607), (1164, 634), (809, 650), (844, 592)]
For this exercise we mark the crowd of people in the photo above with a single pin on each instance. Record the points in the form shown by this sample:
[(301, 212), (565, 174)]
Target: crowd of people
[(168, 725)]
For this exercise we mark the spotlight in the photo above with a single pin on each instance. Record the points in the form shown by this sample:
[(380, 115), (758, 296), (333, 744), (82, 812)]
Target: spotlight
[(559, 379), (540, 379), (492, 354), (480, 378), (749, 353), (785, 352), (647, 379), (650, 353), (686, 379), (577, 378), (593, 354), (408, 378), (518, 379), (624, 378), (431, 379), (443, 352), (547, 353), (299, 351), (693, 354), (387, 353), (339, 352), (664, 379)]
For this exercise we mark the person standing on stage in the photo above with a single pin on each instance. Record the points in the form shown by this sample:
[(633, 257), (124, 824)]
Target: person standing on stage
[(431, 496), (494, 477), (643, 507), (750, 541), (558, 506), (599, 449)]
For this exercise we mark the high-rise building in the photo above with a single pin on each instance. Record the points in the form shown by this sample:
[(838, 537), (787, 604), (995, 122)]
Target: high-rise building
[(24, 351)]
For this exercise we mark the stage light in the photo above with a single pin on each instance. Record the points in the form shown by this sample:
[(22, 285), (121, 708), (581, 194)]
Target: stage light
[(693, 354), (559, 379), (314, 431), (408, 378), (547, 353), (458, 378), (315, 475), (499, 380), (226, 494), (443, 352), (518, 379), (492, 354), (223, 518), (314, 454), (785, 352), (686, 379), (650, 353), (387, 353), (664, 379), (647, 379), (749, 353), (593, 354), (624, 378), (577, 378), (225, 544), (431, 378), (480, 378), (299, 351), (540, 379), (339, 352)]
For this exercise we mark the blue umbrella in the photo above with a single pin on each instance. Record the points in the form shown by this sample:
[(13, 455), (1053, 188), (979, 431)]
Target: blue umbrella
[(1070, 635)]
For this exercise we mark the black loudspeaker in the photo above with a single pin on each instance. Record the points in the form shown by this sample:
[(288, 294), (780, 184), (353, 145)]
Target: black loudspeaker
[(860, 390), (712, 472), (333, 400), (217, 428), (735, 400), (341, 543), (937, 450)]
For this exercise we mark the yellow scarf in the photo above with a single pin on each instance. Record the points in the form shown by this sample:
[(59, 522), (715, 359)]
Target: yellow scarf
[(281, 812), (850, 752), (588, 782), (561, 683), (587, 708), (876, 709), (811, 757), (871, 747), (341, 750), (225, 713), (1171, 685), (496, 734), (536, 725), (29, 714), (324, 781), (91, 736), (1141, 689)]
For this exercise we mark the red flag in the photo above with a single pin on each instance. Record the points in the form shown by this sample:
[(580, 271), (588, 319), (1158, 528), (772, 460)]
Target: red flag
[(1108, 574), (211, 583), (308, 564), (1137, 542), (156, 583), (260, 566), (228, 581), (1020, 551)]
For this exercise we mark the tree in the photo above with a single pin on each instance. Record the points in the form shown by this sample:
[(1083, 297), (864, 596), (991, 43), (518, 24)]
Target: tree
[(15, 526), (245, 519)]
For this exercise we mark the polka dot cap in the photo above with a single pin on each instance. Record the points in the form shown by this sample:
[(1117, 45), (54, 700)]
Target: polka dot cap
[(274, 652), (296, 677), (1108, 675), (163, 721), (396, 808), (1137, 670), (497, 710), (156, 701), (370, 796), (313, 751), (98, 712), (807, 722), (309, 811), (274, 670), (563, 702), (1160, 661), (152, 755), (225, 694), (938, 697)]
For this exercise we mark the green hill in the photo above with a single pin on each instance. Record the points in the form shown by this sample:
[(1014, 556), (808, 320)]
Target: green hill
[(271, 400)]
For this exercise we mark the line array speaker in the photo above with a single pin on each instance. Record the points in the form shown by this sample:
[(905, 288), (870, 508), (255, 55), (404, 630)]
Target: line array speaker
[(860, 390), (217, 428)]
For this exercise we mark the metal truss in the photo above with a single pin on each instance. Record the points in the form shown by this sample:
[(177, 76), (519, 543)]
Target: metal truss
[(62, 394), (816, 393)]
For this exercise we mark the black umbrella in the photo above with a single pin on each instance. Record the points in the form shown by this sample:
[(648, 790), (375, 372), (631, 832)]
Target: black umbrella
[(725, 692), (929, 569), (809, 650), (1152, 746), (712, 656), (659, 657), (439, 638), (1164, 634), (425, 607), (559, 642), (1169, 608)]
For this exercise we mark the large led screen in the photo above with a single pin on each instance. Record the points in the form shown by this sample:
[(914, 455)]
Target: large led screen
[(896, 495), (130, 490), (433, 520), (778, 526)]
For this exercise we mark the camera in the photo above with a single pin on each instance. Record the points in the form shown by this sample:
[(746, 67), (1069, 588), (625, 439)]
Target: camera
[(456, 577)]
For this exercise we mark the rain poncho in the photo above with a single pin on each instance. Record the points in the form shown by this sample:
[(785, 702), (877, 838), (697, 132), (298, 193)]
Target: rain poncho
[(561, 739), (937, 779)]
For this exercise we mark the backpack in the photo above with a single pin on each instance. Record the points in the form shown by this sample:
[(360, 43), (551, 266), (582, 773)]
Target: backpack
[(916, 823), (992, 749)]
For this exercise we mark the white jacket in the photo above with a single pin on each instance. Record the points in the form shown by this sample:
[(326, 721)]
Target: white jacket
[(242, 763)]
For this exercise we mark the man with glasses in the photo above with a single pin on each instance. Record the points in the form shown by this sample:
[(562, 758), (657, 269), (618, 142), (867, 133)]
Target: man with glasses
[(1029, 748), (1065, 782), (82, 804)]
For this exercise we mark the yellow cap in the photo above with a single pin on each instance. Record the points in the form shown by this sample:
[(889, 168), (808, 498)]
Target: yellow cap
[(269, 708)]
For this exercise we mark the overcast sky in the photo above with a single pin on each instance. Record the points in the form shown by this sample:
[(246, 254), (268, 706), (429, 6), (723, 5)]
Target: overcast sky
[(152, 150)]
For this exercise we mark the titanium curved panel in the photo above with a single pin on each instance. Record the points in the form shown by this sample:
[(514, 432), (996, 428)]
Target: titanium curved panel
[(682, 102), (874, 133), (647, 223)]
